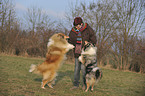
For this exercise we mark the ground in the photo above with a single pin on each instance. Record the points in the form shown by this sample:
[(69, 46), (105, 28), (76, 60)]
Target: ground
[(15, 80)]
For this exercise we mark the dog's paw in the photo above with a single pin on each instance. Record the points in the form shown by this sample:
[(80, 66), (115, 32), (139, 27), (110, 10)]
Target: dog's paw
[(92, 89), (43, 87), (86, 90), (50, 85), (80, 58)]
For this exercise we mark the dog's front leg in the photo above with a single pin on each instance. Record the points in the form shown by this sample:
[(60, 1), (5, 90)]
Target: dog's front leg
[(81, 59)]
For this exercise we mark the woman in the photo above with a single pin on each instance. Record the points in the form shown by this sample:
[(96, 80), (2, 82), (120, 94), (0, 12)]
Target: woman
[(80, 33)]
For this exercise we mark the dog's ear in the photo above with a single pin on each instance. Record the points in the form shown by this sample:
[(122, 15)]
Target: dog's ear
[(61, 35), (86, 42)]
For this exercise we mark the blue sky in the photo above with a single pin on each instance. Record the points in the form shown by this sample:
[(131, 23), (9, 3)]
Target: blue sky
[(54, 8)]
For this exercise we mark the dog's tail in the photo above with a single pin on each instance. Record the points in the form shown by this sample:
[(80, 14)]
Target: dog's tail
[(33, 68), (98, 73)]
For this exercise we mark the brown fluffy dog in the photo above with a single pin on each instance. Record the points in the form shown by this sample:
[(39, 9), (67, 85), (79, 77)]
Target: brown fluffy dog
[(57, 48)]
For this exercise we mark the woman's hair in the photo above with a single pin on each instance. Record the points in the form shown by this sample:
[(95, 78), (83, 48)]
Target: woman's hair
[(77, 21)]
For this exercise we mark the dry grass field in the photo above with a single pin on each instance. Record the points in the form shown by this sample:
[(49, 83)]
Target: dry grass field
[(15, 80)]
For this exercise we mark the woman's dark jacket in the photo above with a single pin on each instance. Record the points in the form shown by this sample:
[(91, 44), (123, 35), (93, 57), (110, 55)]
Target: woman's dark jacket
[(87, 33)]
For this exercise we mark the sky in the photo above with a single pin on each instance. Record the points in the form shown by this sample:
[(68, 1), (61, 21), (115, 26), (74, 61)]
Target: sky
[(56, 9)]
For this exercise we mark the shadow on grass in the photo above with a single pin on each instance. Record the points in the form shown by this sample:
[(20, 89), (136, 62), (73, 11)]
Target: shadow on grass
[(38, 79), (60, 76)]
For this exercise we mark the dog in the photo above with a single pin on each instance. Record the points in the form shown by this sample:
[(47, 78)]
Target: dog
[(57, 47), (89, 60)]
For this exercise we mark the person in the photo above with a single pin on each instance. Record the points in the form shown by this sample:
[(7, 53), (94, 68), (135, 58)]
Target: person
[(80, 33)]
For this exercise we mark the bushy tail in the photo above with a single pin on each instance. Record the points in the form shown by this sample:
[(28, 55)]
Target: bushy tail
[(98, 72), (32, 68)]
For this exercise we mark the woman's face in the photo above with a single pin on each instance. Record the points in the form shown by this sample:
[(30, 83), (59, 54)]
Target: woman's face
[(78, 27)]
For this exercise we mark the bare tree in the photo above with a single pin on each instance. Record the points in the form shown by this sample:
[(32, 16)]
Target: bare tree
[(99, 16), (41, 28), (129, 17), (7, 26), (117, 25)]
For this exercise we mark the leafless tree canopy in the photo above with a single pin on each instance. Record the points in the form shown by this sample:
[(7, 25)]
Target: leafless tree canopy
[(119, 27)]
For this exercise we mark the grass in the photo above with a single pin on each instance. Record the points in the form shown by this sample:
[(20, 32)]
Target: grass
[(15, 80)]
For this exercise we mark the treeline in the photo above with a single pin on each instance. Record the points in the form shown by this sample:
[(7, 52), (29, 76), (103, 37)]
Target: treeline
[(15, 39), (118, 25)]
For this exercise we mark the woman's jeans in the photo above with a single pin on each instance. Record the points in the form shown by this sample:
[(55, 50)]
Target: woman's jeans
[(78, 67)]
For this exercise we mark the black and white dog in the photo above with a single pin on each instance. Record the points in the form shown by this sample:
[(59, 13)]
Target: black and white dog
[(89, 59)]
